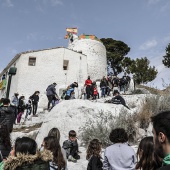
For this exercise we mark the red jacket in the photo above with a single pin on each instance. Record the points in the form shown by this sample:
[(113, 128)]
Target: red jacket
[(95, 92), (88, 82)]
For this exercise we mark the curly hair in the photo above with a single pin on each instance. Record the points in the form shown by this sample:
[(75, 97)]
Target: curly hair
[(52, 144), (5, 136), (94, 148), (148, 159), (118, 135)]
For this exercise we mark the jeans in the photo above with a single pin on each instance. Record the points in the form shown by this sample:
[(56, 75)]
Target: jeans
[(35, 106), (103, 91), (28, 112)]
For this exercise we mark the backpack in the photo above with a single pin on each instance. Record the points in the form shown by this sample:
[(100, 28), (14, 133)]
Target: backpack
[(115, 81)]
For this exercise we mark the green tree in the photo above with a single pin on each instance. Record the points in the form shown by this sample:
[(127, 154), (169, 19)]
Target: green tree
[(166, 60), (116, 51), (126, 63), (143, 73)]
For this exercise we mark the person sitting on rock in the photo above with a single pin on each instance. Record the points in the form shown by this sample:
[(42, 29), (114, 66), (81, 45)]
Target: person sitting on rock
[(117, 99), (71, 147)]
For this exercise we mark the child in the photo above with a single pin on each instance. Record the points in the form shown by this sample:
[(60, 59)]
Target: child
[(28, 109), (93, 155), (71, 147), (95, 92)]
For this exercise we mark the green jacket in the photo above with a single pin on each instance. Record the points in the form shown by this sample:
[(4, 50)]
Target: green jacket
[(40, 161)]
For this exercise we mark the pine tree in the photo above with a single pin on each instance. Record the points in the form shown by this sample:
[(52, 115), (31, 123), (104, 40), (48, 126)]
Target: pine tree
[(166, 60)]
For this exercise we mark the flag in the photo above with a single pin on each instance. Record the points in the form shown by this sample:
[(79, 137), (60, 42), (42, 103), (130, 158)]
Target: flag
[(72, 30)]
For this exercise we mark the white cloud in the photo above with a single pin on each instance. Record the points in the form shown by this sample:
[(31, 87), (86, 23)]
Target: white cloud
[(8, 3), (148, 45)]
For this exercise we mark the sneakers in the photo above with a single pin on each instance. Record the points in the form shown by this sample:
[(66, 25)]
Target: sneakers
[(71, 159)]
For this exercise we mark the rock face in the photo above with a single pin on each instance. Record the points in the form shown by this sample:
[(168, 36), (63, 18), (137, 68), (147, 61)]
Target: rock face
[(72, 114)]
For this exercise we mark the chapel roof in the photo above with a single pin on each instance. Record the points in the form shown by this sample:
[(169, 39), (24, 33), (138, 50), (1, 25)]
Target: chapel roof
[(25, 52)]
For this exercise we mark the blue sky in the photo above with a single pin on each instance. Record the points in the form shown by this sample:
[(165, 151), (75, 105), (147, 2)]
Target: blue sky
[(38, 24)]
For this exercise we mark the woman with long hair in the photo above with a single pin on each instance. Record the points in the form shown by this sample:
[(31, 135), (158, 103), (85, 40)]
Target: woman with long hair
[(50, 143), (55, 132), (148, 160), (93, 155), (5, 142), (25, 156)]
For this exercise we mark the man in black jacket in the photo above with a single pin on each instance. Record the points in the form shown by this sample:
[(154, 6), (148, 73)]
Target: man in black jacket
[(7, 115), (51, 93), (117, 99), (161, 132)]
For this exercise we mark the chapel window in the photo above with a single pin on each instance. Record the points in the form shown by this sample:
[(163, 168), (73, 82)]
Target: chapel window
[(32, 61), (65, 64)]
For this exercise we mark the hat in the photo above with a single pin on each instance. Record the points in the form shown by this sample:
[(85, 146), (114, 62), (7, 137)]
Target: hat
[(55, 83), (115, 91)]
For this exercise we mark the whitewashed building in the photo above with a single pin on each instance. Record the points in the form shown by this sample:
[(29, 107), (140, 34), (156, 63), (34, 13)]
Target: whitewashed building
[(38, 69)]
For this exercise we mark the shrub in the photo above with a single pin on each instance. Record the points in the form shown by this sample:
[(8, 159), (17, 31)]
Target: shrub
[(101, 126), (137, 91), (152, 105)]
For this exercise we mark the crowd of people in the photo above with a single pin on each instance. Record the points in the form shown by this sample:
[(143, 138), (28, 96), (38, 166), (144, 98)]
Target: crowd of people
[(18, 105), (153, 152)]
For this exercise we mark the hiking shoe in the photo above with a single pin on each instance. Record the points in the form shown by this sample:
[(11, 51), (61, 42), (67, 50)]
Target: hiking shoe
[(71, 159)]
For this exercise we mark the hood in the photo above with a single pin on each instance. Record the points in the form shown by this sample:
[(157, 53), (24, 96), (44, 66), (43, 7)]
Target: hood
[(21, 159), (7, 109)]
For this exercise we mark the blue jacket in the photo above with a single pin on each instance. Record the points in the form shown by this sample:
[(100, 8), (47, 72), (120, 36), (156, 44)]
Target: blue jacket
[(69, 91)]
